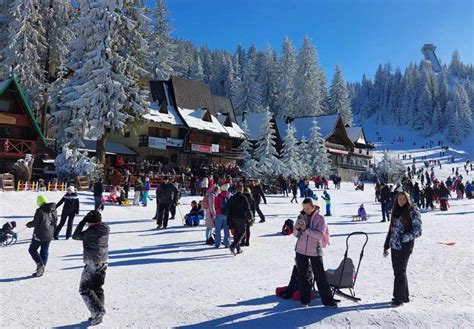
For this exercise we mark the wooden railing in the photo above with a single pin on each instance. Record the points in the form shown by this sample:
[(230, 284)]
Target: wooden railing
[(16, 147), (233, 153)]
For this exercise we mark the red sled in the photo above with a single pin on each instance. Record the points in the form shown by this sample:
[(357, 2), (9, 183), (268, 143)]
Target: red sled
[(279, 291)]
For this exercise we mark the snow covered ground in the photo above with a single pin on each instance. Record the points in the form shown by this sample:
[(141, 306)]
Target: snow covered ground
[(171, 279)]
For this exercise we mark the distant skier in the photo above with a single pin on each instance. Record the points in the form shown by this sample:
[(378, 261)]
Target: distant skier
[(44, 223), (95, 241), (258, 195)]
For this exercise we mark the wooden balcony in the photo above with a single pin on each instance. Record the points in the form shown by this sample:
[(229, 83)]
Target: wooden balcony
[(16, 148), (224, 152)]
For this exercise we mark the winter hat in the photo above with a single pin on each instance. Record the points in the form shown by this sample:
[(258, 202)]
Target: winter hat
[(93, 217), (71, 189), (41, 200), (225, 187)]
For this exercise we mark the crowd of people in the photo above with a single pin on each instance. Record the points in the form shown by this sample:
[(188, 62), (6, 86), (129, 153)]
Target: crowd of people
[(229, 207)]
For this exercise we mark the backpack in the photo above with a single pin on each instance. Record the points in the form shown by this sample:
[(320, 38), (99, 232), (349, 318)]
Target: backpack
[(205, 203), (287, 228), (224, 207)]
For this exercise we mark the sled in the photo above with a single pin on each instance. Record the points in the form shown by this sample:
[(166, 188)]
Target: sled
[(345, 275), (356, 218)]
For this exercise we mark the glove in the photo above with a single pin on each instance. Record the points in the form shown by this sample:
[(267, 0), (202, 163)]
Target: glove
[(385, 252)]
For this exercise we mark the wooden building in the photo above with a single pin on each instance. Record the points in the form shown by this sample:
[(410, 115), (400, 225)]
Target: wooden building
[(20, 134), (186, 125)]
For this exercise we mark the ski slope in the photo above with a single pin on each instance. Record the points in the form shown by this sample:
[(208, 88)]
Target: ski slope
[(170, 278)]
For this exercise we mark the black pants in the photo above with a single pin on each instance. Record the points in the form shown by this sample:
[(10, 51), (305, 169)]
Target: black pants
[(173, 210), (246, 238), (429, 203), (239, 231), (203, 191), (260, 213), (90, 288), (163, 214), (305, 283), (70, 222), (193, 188), (399, 263), (42, 256), (385, 210), (294, 198)]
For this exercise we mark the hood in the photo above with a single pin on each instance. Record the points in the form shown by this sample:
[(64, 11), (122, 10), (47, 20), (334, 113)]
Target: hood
[(48, 207), (102, 227)]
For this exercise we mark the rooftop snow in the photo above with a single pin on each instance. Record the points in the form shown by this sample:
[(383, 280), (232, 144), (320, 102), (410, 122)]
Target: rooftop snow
[(172, 117), (327, 123), (193, 119)]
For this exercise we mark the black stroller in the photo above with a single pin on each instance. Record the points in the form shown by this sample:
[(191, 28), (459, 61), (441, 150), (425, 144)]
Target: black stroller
[(7, 236), (345, 276)]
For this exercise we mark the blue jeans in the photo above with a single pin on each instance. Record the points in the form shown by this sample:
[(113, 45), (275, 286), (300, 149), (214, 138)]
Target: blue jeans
[(385, 211), (221, 223), (328, 210), (97, 202), (42, 256)]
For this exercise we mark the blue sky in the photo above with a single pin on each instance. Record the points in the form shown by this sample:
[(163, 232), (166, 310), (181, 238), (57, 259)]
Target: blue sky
[(358, 35)]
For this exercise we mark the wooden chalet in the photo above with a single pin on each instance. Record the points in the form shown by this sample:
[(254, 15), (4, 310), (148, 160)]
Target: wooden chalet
[(186, 125), (20, 134), (349, 151)]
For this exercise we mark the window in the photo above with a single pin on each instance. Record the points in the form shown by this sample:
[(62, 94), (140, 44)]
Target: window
[(127, 134), (4, 106), (159, 132), (5, 132)]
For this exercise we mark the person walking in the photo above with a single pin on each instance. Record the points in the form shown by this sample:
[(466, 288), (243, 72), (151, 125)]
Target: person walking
[(44, 223), (327, 199), (258, 195), (204, 185), (95, 241), (385, 201), (221, 204), (146, 193), (248, 194), (294, 191), (70, 210), (404, 228), (210, 214), (313, 235), (126, 184), (98, 191), (429, 194), (238, 213), (166, 195)]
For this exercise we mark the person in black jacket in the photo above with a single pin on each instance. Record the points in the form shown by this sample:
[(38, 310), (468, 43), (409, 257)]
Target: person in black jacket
[(248, 194), (166, 195), (70, 210), (95, 241), (385, 201), (44, 223), (238, 214), (98, 190), (429, 194), (258, 195)]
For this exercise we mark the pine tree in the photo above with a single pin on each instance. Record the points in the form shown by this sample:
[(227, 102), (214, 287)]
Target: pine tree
[(250, 165), (456, 67), (307, 92), (266, 153), (437, 119), (464, 112), (339, 97), (197, 72), (268, 78), (454, 133), (162, 48), (364, 97), (286, 90), (305, 156), (249, 95), (103, 92), (27, 48), (389, 169), (290, 155), (320, 162)]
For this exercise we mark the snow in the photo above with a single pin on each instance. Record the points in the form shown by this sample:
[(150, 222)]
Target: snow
[(254, 123), (194, 119), (171, 279), (327, 123), (234, 131), (171, 117)]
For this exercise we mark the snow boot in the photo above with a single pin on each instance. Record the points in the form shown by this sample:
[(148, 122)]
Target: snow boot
[(232, 250), (97, 319), (39, 271)]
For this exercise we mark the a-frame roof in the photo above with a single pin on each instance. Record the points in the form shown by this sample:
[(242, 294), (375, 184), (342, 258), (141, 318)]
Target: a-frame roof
[(12, 81)]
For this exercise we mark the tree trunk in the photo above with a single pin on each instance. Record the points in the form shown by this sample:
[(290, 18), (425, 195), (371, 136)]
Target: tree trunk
[(100, 149)]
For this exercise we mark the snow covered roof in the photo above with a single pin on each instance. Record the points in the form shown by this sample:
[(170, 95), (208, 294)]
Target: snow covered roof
[(355, 134), (194, 119), (327, 123), (231, 127), (110, 148), (172, 117)]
